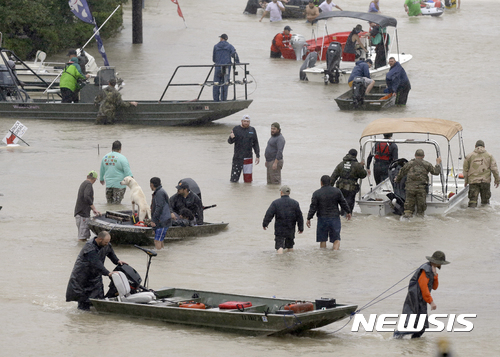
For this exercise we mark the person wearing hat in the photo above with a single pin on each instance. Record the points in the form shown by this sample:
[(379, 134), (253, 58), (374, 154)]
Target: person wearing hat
[(274, 155), (417, 178), (287, 214), (478, 167), (281, 41), (85, 203), (109, 100), (325, 204), (222, 54), (346, 175), (362, 70), (421, 284), (328, 5), (160, 212), (384, 153), (312, 12), (275, 8), (354, 45), (398, 84), (244, 138), (184, 198), (69, 79)]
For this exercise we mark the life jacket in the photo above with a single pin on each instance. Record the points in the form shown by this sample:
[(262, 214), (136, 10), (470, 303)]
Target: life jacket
[(285, 41), (382, 152)]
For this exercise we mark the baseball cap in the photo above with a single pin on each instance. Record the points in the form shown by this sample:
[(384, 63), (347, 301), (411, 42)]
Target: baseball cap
[(224, 36), (182, 185), (285, 189), (246, 117), (93, 174), (288, 28), (480, 143), (71, 52)]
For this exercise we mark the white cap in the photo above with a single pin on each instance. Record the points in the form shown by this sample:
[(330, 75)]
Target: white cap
[(246, 117)]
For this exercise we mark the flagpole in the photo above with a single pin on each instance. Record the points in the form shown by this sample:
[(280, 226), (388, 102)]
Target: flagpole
[(90, 39)]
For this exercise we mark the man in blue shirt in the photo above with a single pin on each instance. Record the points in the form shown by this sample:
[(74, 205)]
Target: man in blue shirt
[(223, 52), (362, 69)]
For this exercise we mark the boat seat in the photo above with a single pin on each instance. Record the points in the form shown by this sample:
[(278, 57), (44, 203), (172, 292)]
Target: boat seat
[(123, 286)]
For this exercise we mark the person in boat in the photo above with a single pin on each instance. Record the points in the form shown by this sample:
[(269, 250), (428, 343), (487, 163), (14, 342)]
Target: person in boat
[(353, 44), (186, 219), (184, 198), (380, 39), (374, 7), (384, 153), (346, 175), (417, 180), (275, 8), (114, 168), (451, 4), (287, 214), (84, 204), (222, 54), (397, 82), (85, 281), (244, 137), (362, 69), (325, 204), (421, 284), (274, 155), (70, 76), (109, 100), (160, 212), (328, 5), (412, 7), (281, 41), (478, 167), (312, 12)]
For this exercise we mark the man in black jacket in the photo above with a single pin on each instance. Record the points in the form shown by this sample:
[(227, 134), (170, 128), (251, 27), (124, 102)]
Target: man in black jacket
[(325, 203), (244, 138), (160, 212), (287, 213), (85, 203), (184, 198)]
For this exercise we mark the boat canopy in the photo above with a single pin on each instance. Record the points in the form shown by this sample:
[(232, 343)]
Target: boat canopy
[(442, 127), (370, 17)]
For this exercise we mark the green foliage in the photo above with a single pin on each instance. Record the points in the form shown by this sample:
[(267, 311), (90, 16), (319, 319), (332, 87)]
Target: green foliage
[(49, 25)]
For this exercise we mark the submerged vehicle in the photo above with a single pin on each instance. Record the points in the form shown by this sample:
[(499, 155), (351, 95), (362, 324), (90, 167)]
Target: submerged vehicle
[(356, 99), (245, 314), (446, 193)]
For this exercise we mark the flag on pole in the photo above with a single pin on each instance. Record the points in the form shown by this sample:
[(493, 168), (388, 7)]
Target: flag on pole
[(81, 10), (178, 9)]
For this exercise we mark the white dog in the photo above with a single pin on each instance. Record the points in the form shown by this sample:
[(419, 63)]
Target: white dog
[(138, 198)]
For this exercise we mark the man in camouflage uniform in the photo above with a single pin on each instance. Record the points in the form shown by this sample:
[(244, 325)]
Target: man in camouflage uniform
[(478, 167), (109, 100), (347, 174), (417, 172)]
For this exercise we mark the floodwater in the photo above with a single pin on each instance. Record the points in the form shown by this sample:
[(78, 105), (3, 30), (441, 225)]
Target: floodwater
[(454, 76)]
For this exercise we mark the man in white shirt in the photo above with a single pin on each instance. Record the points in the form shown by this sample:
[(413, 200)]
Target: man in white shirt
[(328, 5), (276, 8)]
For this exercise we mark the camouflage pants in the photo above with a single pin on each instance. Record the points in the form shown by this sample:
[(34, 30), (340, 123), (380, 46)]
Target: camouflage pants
[(103, 119), (482, 188), (415, 198), (115, 195)]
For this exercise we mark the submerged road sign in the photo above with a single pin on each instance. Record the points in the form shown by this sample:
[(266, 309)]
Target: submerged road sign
[(15, 133)]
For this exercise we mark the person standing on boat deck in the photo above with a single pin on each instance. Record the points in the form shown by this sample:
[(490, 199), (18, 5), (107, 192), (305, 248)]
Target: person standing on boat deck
[(287, 214), (421, 284), (380, 39), (328, 5), (384, 154), (346, 176), (312, 12), (109, 100), (325, 204), (244, 138), (160, 212), (397, 82), (275, 8), (69, 79), (353, 44), (222, 54), (274, 155), (281, 41), (184, 198), (412, 7), (362, 69), (85, 281), (114, 168), (417, 171), (478, 167), (85, 203), (374, 7)]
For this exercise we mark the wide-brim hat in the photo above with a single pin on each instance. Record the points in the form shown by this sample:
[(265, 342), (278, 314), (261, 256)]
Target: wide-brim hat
[(438, 258)]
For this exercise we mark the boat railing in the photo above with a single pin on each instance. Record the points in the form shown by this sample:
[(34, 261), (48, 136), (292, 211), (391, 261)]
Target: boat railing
[(207, 83)]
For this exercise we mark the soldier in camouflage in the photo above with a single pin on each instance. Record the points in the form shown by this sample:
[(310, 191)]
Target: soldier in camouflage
[(109, 100), (346, 174), (478, 167), (417, 172)]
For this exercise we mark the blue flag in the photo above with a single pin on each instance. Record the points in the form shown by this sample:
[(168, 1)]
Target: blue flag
[(81, 10)]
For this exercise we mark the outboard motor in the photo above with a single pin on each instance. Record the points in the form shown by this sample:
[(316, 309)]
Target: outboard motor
[(399, 196), (308, 63), (358, 92), (333, 57), (299, 45)]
